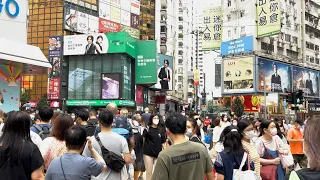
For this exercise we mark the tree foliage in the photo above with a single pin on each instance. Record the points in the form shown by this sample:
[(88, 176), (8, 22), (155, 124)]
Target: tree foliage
[(238, 107), (43, 102)]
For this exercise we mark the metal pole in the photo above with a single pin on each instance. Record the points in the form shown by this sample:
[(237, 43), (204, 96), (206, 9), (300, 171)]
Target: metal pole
[(265, 97), (197, 61)]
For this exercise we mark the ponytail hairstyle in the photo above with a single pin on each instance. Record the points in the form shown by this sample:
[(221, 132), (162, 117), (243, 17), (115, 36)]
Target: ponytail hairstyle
[(231, 140), (194, 124)]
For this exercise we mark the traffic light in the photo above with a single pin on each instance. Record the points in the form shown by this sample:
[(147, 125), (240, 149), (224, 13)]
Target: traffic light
[(290, 97), (299, 97)]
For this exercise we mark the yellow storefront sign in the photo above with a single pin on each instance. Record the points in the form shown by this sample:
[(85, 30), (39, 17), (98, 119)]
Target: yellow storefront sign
[(268, 13), (212, 30)]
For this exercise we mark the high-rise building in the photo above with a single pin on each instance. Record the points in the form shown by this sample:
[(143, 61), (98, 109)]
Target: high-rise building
[(147, 19)]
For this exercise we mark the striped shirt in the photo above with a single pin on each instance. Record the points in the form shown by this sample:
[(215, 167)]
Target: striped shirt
[(254, 156)]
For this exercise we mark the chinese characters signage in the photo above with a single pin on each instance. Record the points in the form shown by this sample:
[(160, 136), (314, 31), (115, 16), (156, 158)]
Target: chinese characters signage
[(106, 26), (212, 30), (99, 103), (268, 13), (54, 89), (54, 58), (237, 46), (146, 62)]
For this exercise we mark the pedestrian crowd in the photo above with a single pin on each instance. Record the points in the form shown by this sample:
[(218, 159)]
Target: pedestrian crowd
[(113, 144)]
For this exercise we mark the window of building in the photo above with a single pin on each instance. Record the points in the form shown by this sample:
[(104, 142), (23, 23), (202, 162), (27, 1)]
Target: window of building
[(229, 17), (295, 40), (287, 37), (180, 61), (312, 59), (317, 60), (307, 58), (229, 33), (316, 47), (180, 78), (180, 18), (311, 46), (34, 85), (163, 29), (229, 3), (241, 13)]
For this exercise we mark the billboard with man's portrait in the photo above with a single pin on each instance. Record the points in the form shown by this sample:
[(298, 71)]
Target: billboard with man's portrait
[(274, 76), (164, 73), (306, 80)]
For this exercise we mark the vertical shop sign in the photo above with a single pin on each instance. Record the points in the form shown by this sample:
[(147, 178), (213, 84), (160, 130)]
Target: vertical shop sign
[(212, 33), (268, 13), (53, 92)]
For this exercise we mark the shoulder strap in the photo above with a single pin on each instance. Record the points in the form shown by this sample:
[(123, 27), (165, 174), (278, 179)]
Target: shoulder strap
[(62, 168), (99, 141), (244, 158), (265, 149), (38, 127)]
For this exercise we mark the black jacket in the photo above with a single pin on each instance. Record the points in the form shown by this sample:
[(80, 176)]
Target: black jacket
[(306, 174), (91, 50), (163, 74)]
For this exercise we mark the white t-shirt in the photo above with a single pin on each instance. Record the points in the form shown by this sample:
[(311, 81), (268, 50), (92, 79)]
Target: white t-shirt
[(36, 139)]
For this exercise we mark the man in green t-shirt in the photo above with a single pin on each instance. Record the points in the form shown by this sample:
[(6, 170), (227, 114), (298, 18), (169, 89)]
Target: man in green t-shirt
[(184, 160)]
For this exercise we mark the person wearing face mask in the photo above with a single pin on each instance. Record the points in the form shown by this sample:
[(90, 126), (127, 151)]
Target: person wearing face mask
[(193, 131), (234, 122), (295, 139), (311, 145), (269, 145), (155, 136), (225, 121), (246, 130)]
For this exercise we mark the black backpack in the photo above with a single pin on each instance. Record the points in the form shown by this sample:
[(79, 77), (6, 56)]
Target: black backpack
[(44, 132), (113, 160), (90, 129)]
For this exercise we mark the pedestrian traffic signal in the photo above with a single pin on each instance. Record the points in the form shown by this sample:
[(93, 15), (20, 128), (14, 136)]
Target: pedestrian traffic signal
[(299, 97)]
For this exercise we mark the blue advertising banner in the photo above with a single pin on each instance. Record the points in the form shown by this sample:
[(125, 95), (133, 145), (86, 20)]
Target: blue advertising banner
[(274, 76), (306, 80), (237, 46)]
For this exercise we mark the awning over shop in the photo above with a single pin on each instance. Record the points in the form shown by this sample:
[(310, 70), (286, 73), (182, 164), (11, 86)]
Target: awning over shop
[(22, 53)]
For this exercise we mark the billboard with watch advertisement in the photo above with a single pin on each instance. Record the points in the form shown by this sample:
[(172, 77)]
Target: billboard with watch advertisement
[(238, 75), (306, 80), (274, 76)]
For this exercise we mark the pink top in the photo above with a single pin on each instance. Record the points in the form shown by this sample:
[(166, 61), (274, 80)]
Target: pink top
[(275, 144), (52, 148)]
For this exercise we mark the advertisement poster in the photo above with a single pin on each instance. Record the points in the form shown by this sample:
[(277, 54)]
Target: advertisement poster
[(54, 89), (212, 30), (275, 75), (126, 5), (139, 95), (135, 7), (165, 76), (306, 80), (237, 46), (71, 19), (106, 26), (55, 62), (250, 102), (83, 22), (146, 62), (238, 75), (54, 46), (135, 33), (268, 14), (10, 77), (110, 86), (196, 76), (115, 3), (77, 78), (125, 18), (86, 44), (93, 24), (104, 10), (115, 14), (117, 42), (135, 21)]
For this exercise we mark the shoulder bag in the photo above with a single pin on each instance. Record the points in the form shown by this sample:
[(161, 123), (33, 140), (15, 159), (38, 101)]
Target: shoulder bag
[(268, 172), (113, 160), (238, 174), (286, 160)]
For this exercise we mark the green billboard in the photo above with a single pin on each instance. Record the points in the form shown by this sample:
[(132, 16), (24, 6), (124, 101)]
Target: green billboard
[(146, 62), (99, 103)]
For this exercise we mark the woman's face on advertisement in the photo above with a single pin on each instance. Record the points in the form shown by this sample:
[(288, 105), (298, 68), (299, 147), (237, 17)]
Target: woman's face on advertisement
[(99, 40)]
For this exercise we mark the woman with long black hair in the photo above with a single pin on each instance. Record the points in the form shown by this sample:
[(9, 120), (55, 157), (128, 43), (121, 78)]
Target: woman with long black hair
[(231, 156), (193, 131), (155, 136), (20, 159)]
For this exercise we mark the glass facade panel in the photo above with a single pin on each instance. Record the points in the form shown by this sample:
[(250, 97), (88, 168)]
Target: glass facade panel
[(85, 75)]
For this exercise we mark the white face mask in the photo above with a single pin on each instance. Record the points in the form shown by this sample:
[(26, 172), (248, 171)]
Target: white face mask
[(225, 119), (155, 121), (189, 132), (249, 134), (183, 114)]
